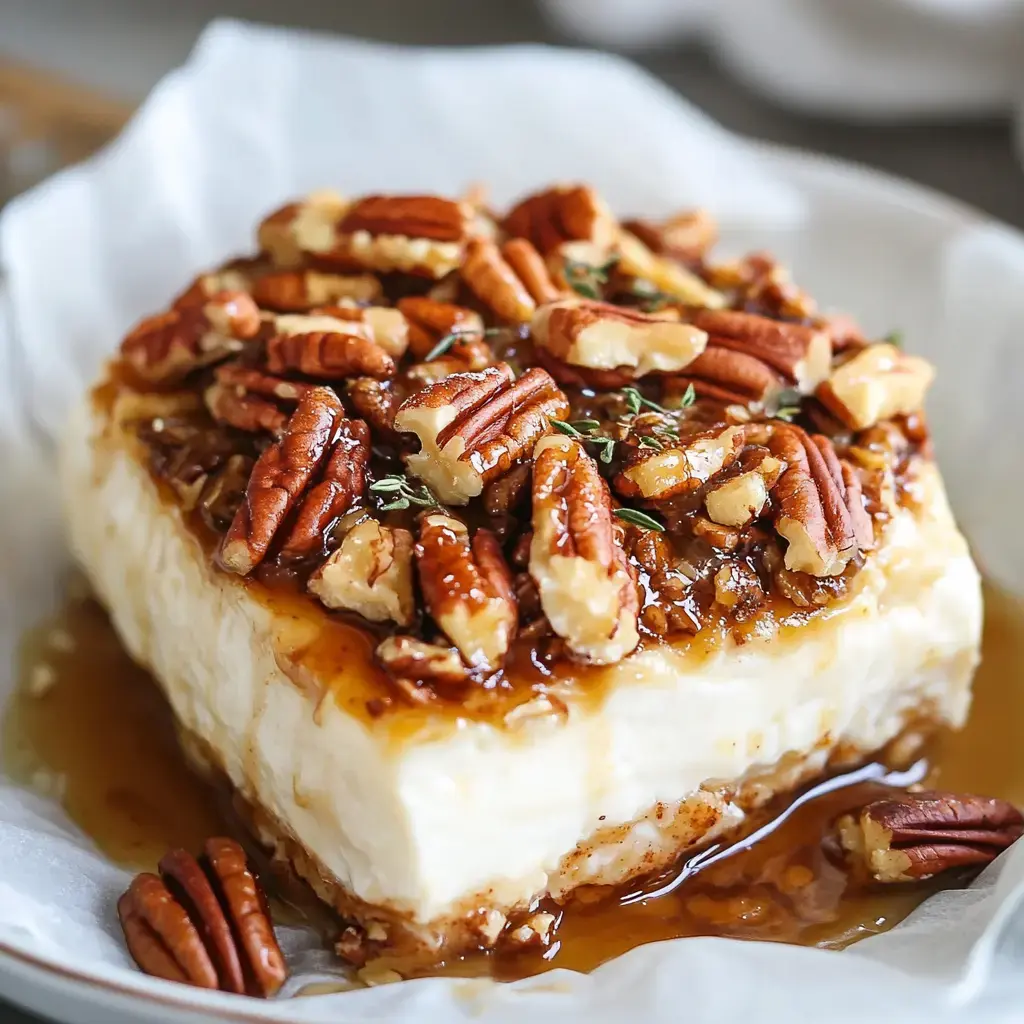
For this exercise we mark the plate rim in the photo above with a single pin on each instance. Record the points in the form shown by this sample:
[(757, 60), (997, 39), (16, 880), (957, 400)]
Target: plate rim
[(921, 200)]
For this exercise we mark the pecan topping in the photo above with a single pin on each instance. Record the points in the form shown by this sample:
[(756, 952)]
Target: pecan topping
[(370, 573), (818, 505), (324, 347), (739, 498), (467, 587), (302, 229), (586, 587), (511, 281), (170, 345), (299, 291), (879, 382), (728, 376), (917, 835), (430, 321), (664, 274), (659, 474), (416, 666), (570, 220), (204, 922), (386, 326), (278, 479), (686, 237), (244, 397), (339, 488), (376, 403), (600, 336), (235, 276), (474, 426)]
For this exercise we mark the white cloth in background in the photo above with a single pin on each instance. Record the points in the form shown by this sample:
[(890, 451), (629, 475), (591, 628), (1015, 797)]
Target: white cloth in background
[(854, 59)]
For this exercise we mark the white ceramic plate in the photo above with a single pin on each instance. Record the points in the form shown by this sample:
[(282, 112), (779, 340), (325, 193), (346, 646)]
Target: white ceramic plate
[(898, 257)]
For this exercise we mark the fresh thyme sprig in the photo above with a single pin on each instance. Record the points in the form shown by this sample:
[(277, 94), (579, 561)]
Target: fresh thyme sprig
[(584, 430), (449, 339), (637, 518), (588, 280), (788, 407), (405, 493), (636, 401), (787, 413)]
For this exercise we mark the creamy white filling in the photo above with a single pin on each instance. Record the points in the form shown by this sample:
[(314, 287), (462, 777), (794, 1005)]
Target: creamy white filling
[(423, 823)]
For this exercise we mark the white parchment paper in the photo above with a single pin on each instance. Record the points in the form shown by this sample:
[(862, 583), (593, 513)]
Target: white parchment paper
[(259, 116)]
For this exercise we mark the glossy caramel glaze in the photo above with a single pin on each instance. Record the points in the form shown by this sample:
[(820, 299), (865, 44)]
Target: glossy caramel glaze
[(99, 733)]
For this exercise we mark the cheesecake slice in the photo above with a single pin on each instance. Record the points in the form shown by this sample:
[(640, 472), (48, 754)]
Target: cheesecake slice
[(484, 559)]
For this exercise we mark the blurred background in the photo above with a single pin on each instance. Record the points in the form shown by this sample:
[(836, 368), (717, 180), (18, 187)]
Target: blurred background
[(921, 88)]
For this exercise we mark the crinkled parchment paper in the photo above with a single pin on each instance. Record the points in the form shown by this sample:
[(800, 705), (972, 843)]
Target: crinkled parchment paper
[(258, 116)]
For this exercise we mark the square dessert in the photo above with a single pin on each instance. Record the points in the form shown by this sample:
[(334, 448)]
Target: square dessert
[(482, 558)]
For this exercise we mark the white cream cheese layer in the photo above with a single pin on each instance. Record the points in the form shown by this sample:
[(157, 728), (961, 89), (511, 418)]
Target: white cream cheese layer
[(423, 824)]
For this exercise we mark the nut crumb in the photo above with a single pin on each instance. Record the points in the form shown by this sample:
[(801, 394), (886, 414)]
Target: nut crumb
[(41, 680)]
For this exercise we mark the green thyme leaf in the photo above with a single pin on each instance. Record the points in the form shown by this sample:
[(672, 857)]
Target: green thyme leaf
[(398, 503), (637, 518), (894, 338), (406, 493), (588, 280), (605, 448), (565, 428), (386, 485), (586, 426), (449, 339), (636, 401), (647, 441), (787, 413), (689, 397)]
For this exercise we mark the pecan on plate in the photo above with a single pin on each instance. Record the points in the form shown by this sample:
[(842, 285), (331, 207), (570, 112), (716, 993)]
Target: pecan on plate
[(419, 668), (385, 325), (170, 345), (512, 280), (325, 347), (245, 397), (728, 376), (421, 235), (818, 507), (663, 274), (474, 426), (299, 230), (916, 835), (376, 402), (204, 922), (370, 573), (430, 322), (235, 276), (676, 468), (686, 236), (299, 291), (279, 478), (877, 383), (570, 221), (467, 588), (586, 587), (597, 336), (760, 284)]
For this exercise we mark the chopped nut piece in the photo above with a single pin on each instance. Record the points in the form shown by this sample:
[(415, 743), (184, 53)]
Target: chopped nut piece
[(302, 229), (474, 426), (299, 291), (665, 274), (739, 499), (601, 336), (370, 574), (656, 475), (386, 326), (431, 321), (534, 931), (879, 382), (586, 586), (280, 475), (170, 345), (467, 587), (816, 510), (557, 220), (917, 835), (416, 666), (325, 347), (738, 588), (235, 276)]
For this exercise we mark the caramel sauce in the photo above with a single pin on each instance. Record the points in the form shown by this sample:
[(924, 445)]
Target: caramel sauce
[(90, 726)]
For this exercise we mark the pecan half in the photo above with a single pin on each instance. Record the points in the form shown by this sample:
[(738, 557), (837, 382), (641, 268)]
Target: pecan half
[(299, 291), (660, 474), (244, 397), (302, 229), (339, 488), (416, 666), (280, 476), (234, 276), (879, 382), (727, 376), (801, 354), (204, 922), (370, 574), (738, 498), (430, 321), (511, 281), (325, 347), (570, 220), (917, 835), (474, 426), (686, 236), (386, 326), (665, 274), (818, 508), (170, 345), (375, 402), (586, 587), (467, 587), (600, 336)]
